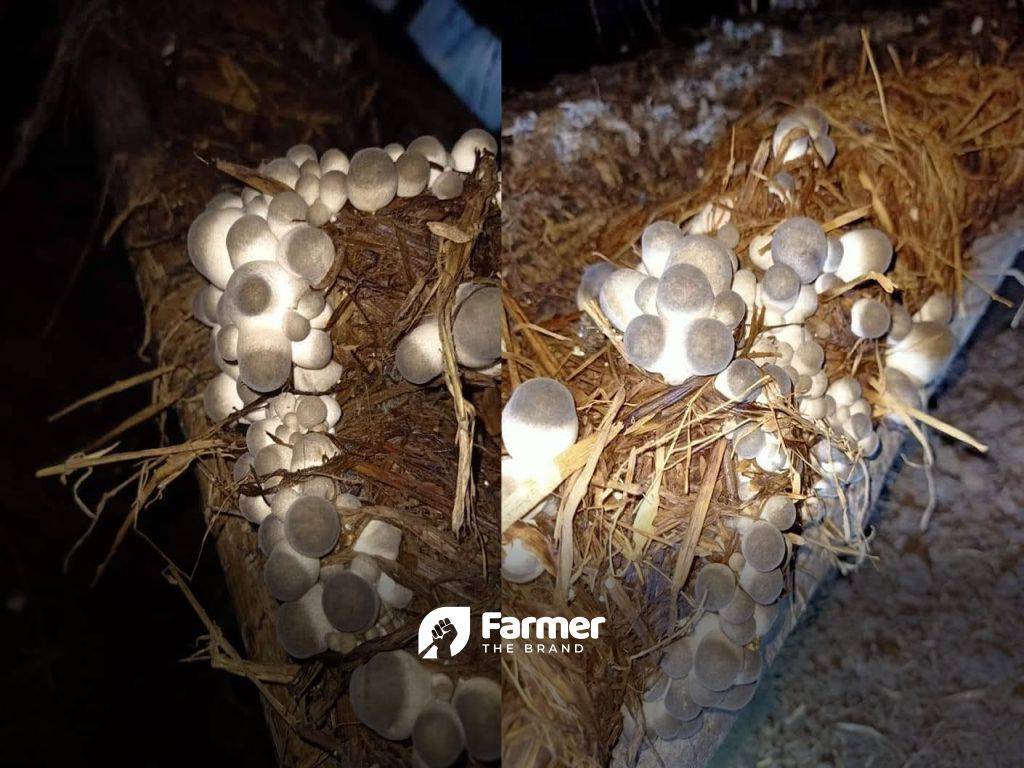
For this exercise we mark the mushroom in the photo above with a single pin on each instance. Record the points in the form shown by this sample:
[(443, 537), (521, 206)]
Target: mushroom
[(738, 381), (763, 588), (594, 276), (478, 702), (281, 169), (677, 660), (379, 539), (312, 526), (207, 244), (658, 720), (433, 151), (306, 252), (372, 180), (644, 341), (808, 358), (270, 534), (437, 736), (419, 357), (310, 411), (937, 309), (805, 306), (392, 593), (249, 239), (750, 670), (708, 346), (729, 236), (901, 323), (869, 318), (388, 693), (413, 174), (717, 661), (729, 308), (476, 329), (646, 296), (350, 602), (333, 191), (700, 693), (800, 244), (333, 159), (903, 389), (683, 294), (740, 607), (780, 511), (659, 241), (617, 296), (317, 380), (763, 546), (302, 628), (740, 632), (923, 352), (264, 359), (448, 185), (864, 250), (780, 287), (204, 304), (520, 563), (709, 256), (759, 251), (469, 147), (750, 443), (744, 282), (679, 703), (715, 585), (220, 398), (289, 574), (286, 211), (539, 420)]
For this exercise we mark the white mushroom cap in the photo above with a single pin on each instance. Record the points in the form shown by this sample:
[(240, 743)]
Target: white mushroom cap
[(740, 632), (798, 141), (333, 190), (677, 660), (317, 380), (253, 508), (923, 352), (380, 539), (394, 149), (833, 256), (593, 277), (431, 149), (709, 256), (220, 398), (207, 244), (937, 309), (762, 587), (656, 690), (519, 563), (249, 239), (300, 153), (388, 693), (645, 341), (717, 661), (869, 318), (683, 294), (468, 148), (226, 342), (903, 388), (780, 511), (225, 200), (800, 243), (808, 358), (759, 251), (437, 736), (617, 296), (372, 179), (844, 391), (264, 359), (312, 526), (744, 282), (288, 574), (314, 351), (708, 346), (780, 287), (763, 546), (739, 608), (539, 420), (350, 602), (901, 323), (448, 185), (864, 250), (413, 174), (478, 702), (729, 236), (258, 293), (286, 211), (729, 309), (310, 410), (419, 357), (805, 306), (311, 450), (302, 628), (739, 377), (306, 252), (718, 583), (476, 329), (333, 159), (679, 703), (660, 240), (749, 444), (281, 169), (700, 693), (737, 697), (308, 187)]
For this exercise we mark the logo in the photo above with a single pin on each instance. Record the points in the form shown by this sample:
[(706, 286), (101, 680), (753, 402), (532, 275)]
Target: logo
[(444, 632)]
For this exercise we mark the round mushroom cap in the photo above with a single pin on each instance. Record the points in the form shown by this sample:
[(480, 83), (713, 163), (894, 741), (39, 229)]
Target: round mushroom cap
[(419, 357), (220, 398), (646, 296), (478, 702), (679, 703), (388, 693), (780, 287), (312, 450), (864, 250), (644, 341), (207, 244), (307, 252), (763, 546), (923, 352), (301, 626), (740, 632), (430, 148), (476, 329), (708, 346), (763, 587), (700, 693), (320, 380), (539, 420), (281, 169), (684, 293), (250, 239), (308, 187), (658, 242), (311, 411), (413, 174), (800, 244), (717, 661), (448, 185), (591, 281), (749, 444), (519, 563), (869, 318), (255, 289), (469, 146), (312, 526), (333, 191), (738, 380), (350, 602), (729, 308), (618, 296), (718, 583), (372, 179), (288, 574), (437, 737), (709, 256), (333, 159), (300, 153), (780, 511), (264, 359), (270, 534), (677, 660), (808, 358), (739, 608), (314, 351), (286, 210)]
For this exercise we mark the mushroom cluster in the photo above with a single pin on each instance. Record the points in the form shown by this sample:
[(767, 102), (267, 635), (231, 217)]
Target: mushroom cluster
[(476, 334), (399, 698)]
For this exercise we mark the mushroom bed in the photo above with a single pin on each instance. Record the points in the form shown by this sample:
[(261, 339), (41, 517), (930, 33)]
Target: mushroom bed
[(733, 365)]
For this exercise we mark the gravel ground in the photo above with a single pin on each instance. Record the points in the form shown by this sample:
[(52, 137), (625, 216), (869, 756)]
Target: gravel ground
[(917, 659)]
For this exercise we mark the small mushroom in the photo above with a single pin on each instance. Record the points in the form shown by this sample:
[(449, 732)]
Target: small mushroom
[(350, 603), (413, 174), (740, 632), (708, 346), (617, 296), (270, 534), (289, 574), (372, 180), (923, 352), (780, 287), (437, 736), (800, 243), (476, 329), (433, 151), (763, 546), (679, 703), (645, 341), (864, 250), (763, 588), (737, 697), (715, 585), (250, 239), (419, 357), (646, 296), (738, 381), (717, 661), (207, 244), (469, 147), (683, 294), (448, 185), (937, 309), (388, 693), (380, 539), (594, 276), (659, 241), (709, 256), (729, 309), (869, 318), (750, 670), (220, 398), (740, 607), (302, 628), (306, 252), (780, 511), (312, 526), (539, 420), (333, 159), (700, 693), (677, 660), (478, 702), (765, 615), (281, 169)]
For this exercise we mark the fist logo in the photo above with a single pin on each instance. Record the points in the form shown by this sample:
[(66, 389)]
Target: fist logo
[(444, 632)]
